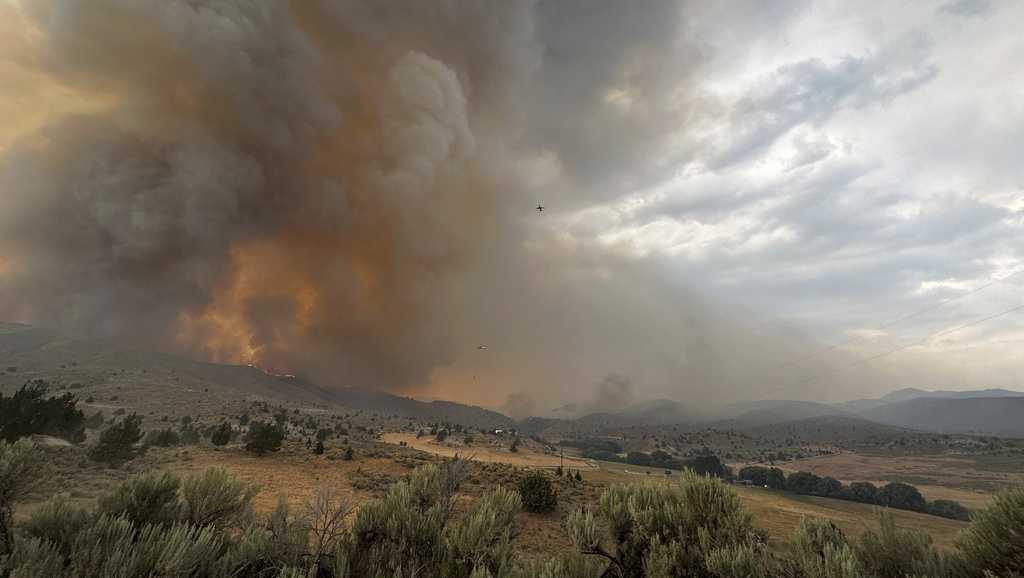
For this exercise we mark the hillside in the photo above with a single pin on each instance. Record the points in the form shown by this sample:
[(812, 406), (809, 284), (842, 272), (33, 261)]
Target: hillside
[(839, 430), (908, 393), (990, 415), (766, 412), (159, 383), (441, 411)]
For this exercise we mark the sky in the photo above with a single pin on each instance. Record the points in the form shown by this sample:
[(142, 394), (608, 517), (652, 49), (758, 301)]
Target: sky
[(741, 199), (862, 164)]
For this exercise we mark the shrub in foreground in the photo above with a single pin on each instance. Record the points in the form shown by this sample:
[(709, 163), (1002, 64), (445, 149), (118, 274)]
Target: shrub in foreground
[(661, 530), (20, 468), (215, 498), (203, 526), (893, 552), (150, 498), (994, 542)]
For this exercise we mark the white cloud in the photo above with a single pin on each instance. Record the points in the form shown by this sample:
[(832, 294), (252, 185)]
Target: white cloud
[(860, 165)]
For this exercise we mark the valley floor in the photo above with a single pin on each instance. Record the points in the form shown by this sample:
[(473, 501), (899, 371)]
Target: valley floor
[(487, 452), (296, 474), (970, 480)]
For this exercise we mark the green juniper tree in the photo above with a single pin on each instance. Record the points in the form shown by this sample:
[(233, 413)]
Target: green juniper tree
[(118, 443), (537, 493), (263, 438), (31, 411), (222, 434)]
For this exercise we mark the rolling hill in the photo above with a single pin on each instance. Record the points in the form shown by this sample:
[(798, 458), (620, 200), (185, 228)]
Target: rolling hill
[(147, 381), (1002, 416), (837, 429), (655, 412), (158, 382), (908, 393), (767, 412)]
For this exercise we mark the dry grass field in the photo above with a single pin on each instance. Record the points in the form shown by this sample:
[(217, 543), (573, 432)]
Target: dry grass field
[(295, 473), (486, 452), (779, 513), (962, 478)]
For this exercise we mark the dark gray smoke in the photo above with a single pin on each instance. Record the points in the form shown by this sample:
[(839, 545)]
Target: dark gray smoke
[(345, 190)]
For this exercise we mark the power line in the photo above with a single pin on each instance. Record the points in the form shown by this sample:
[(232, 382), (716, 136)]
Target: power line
[(871, 358), (899, 320), (943, 332)]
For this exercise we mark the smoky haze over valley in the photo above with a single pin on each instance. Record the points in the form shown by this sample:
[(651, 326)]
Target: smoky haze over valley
[(741, 200)]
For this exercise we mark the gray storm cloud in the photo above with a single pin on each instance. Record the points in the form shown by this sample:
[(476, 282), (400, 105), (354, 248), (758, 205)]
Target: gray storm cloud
[(344, 190)]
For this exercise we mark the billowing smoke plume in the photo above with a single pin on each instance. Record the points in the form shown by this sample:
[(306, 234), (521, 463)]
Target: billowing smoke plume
[(345, 190)]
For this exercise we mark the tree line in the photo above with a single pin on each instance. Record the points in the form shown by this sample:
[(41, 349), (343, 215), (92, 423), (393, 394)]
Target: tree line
[(704, 464), (892, 495), (897, 495)]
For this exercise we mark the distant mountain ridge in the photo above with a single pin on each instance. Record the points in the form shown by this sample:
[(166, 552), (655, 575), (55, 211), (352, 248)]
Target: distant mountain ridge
[(1002, 416), (771, 411), (914, 393), (827, 429), (654, 412), (29, 352), (908, 393), (988, 411)]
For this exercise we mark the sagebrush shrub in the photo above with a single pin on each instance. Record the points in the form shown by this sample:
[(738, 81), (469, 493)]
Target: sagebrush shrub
[(203, 527), (33, 558), (163, 438), (669, 530), (20, 468), (994, 541), (215, 498), (150, 498), (893, 552), (58, 522), (820, 548)]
